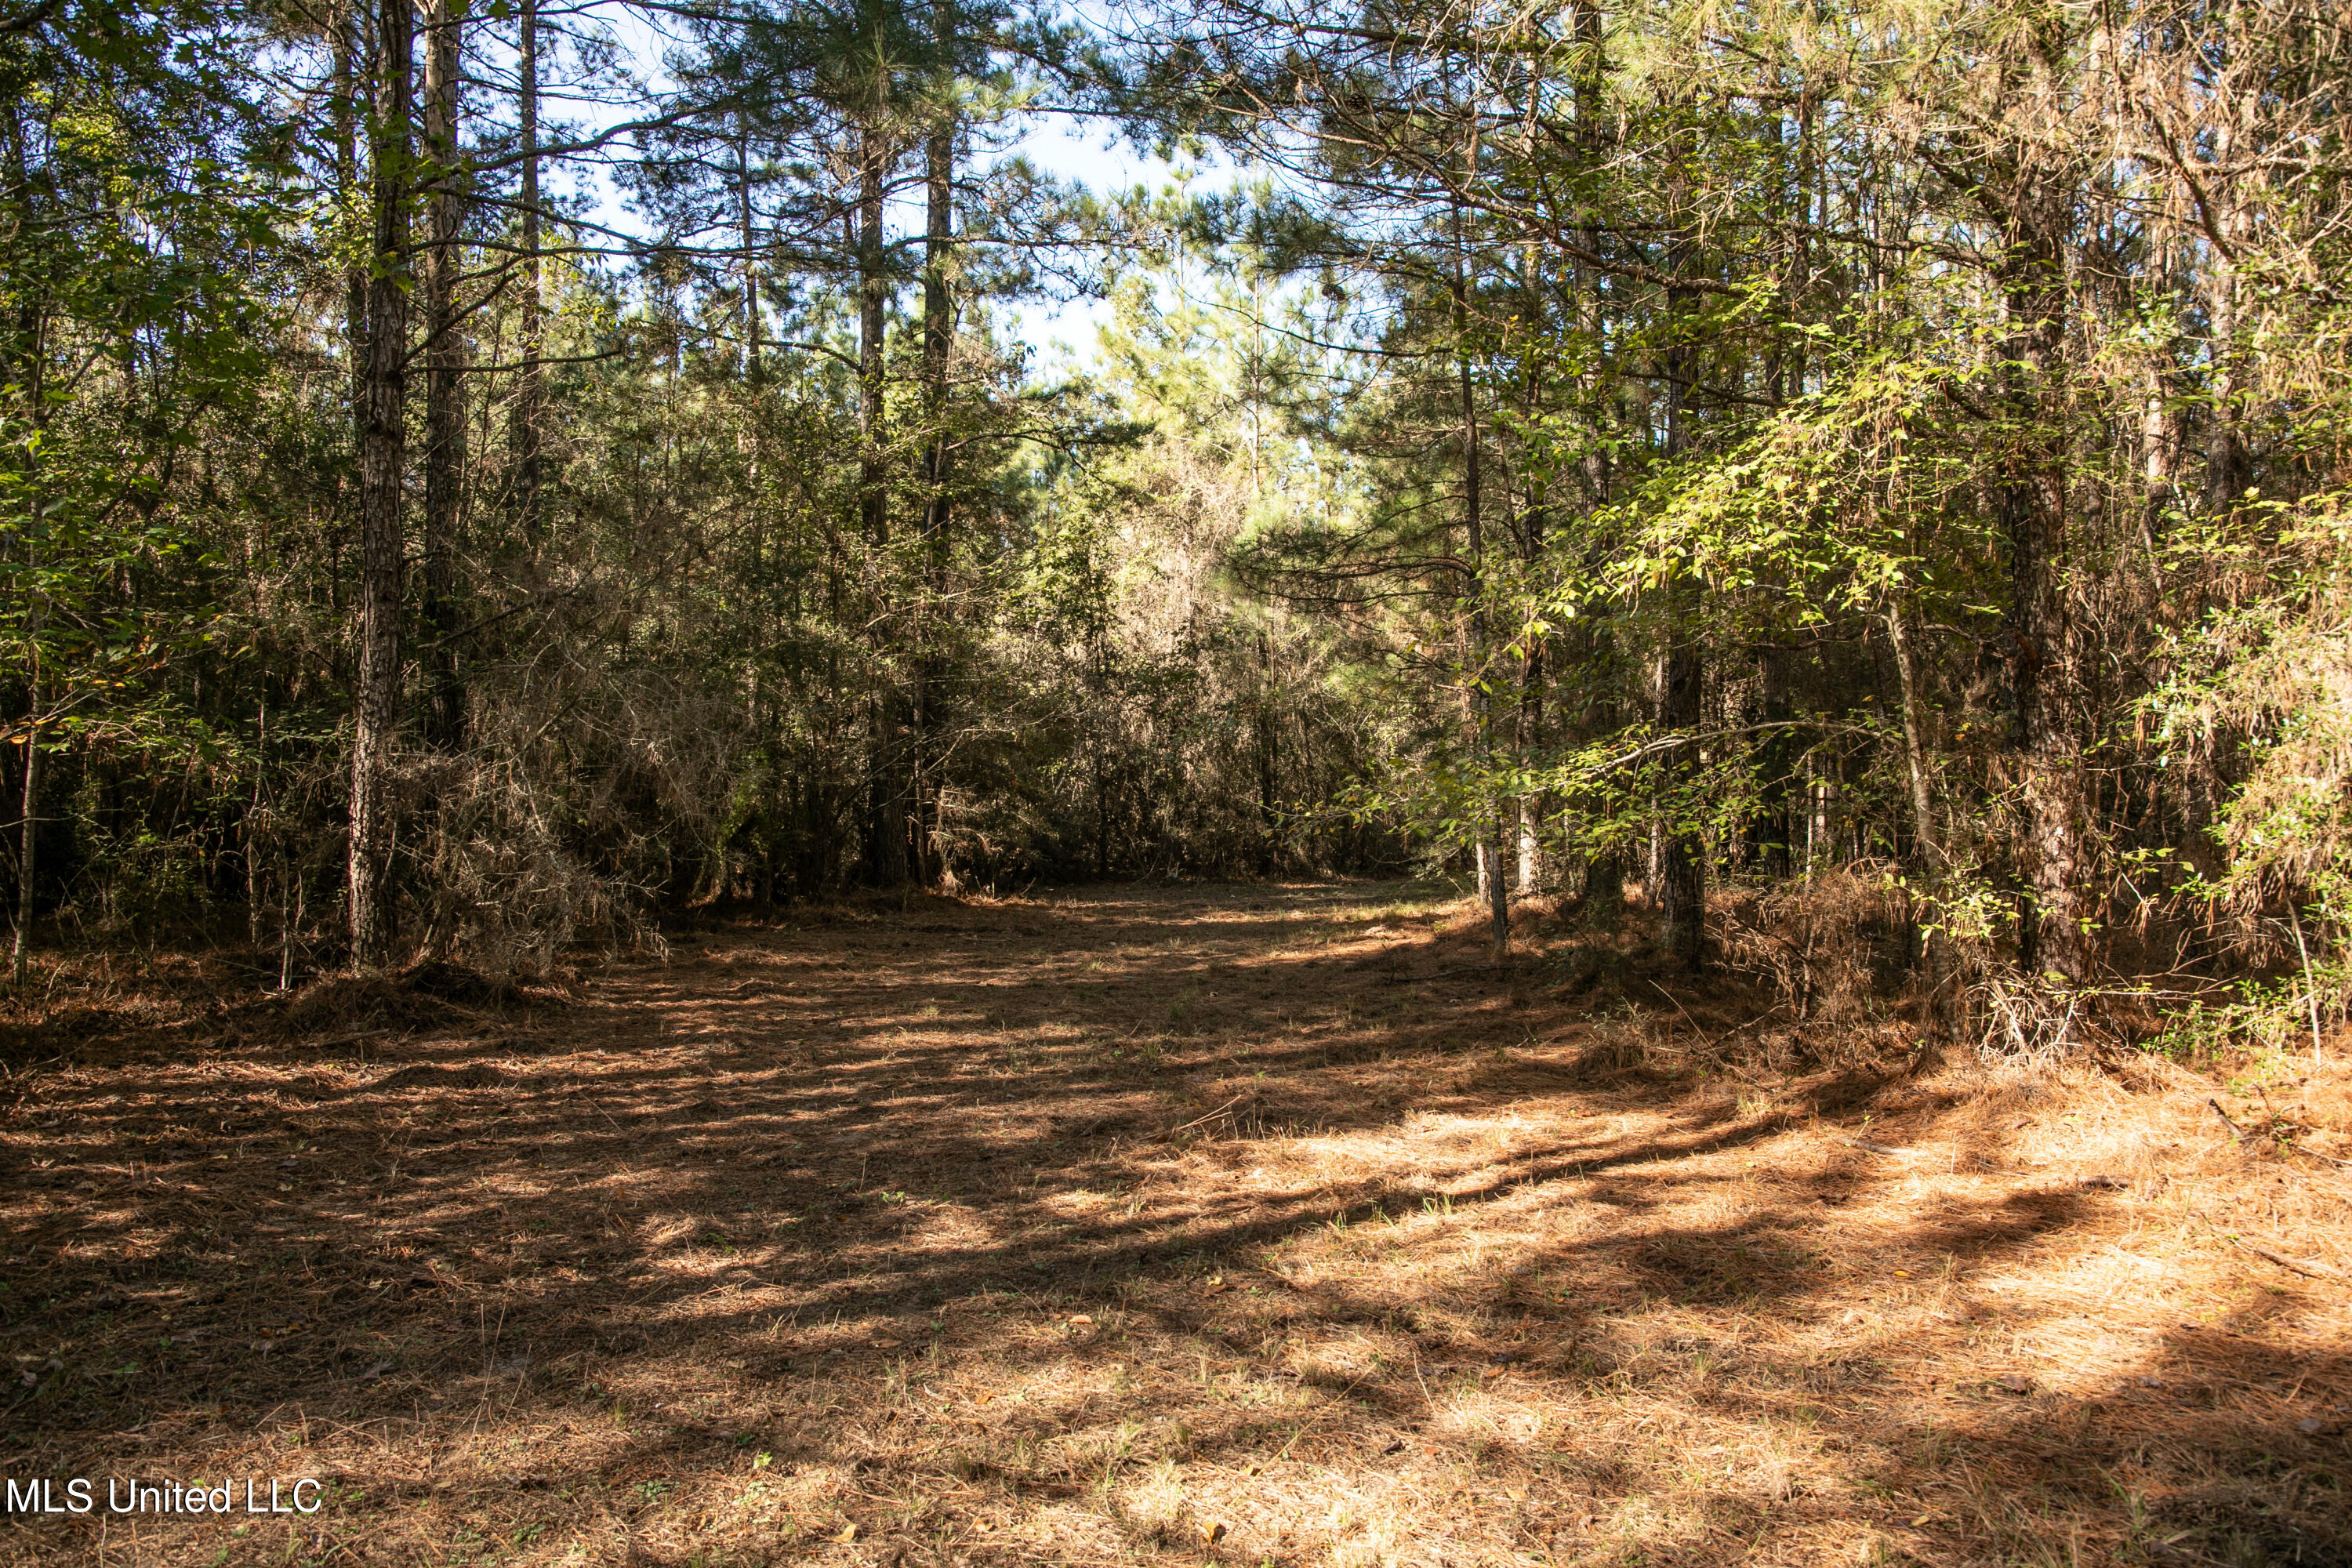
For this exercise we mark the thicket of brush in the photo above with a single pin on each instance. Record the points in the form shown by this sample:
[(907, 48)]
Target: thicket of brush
[(1870, 478)]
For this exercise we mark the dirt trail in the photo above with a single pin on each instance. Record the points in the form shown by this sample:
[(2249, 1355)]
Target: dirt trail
[(1257, 1223)]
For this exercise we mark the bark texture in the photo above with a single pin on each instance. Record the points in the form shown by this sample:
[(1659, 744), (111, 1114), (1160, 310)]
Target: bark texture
[(445, 413), (887, 775), (1681, 852), (523, 433), (384, 454), (2044, 672)]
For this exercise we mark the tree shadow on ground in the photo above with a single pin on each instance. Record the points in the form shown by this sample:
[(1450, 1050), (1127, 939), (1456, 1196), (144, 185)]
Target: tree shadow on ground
[(986, 1215)]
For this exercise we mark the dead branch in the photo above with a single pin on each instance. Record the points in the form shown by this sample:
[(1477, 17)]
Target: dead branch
[(2311, 1266), (2236, 1132)]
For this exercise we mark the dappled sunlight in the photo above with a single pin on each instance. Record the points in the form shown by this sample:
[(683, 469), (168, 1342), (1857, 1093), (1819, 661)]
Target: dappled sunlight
[(1098, 1227)]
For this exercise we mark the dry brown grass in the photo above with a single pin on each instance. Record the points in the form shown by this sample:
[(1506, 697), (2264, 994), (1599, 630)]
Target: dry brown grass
[(1250, 1224)]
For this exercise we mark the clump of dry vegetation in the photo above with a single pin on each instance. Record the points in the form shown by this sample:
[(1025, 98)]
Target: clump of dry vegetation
[(1225, 1225), (1830, 945)]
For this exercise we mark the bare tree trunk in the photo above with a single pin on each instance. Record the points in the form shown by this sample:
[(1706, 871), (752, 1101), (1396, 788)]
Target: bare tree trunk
[(2227, 468), (1929, 851), (383, 462), (28, 833), (1530, 809), (1773, 829), (1530, 736), (939, 342), (345, 114), (939, 303), (1824, 778), (1681, 852), (1492, 886), (1914, 746), (28, 356), (753, 369), (444, 427), (873, 298), (886, 781), (2043, 668), (1603, 893), (523, 434), (1267, 745)]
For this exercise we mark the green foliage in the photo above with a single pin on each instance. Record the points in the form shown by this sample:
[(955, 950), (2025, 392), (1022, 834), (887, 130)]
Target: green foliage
[(2268, 1020), (2271, 668), (1632, 436)]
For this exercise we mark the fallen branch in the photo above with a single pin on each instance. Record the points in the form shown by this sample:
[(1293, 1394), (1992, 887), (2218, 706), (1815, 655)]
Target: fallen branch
[(2236, 1132), (2310, 1266), (1210, 1117)]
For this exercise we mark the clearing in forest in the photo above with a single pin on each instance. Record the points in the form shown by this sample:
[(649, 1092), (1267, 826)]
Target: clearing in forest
[(1239, 1225)]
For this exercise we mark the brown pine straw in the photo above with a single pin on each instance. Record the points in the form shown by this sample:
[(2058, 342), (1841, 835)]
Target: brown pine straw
[(1159, 1225)]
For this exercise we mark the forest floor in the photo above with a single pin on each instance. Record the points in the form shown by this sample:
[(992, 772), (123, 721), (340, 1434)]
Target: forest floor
[(1245, 1225)]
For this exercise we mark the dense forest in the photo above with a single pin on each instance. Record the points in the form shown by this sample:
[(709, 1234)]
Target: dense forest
[(483, 477), (1320, 783)]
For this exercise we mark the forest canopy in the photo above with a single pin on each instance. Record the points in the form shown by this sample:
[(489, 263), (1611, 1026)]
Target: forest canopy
[(478, 476)]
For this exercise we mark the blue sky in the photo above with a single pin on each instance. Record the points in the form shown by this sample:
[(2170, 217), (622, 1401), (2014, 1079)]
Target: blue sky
[(1089, 154)]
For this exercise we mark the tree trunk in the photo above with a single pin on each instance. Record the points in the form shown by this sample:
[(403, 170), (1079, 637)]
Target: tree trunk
[(938, 340), (1682, 850), (1530, 736), (1265, 718), (383, 462), (886, 781), (873, 298), (1532, 673), (444, 427), (523, 419), (2043, 668), (27, 834), (1773, 827), (753, 369), (344, 114), (27, 369), (1603, 894), (1492, 887), (1928, 851), (939, 304), (2227, 469), (1929, 854)]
